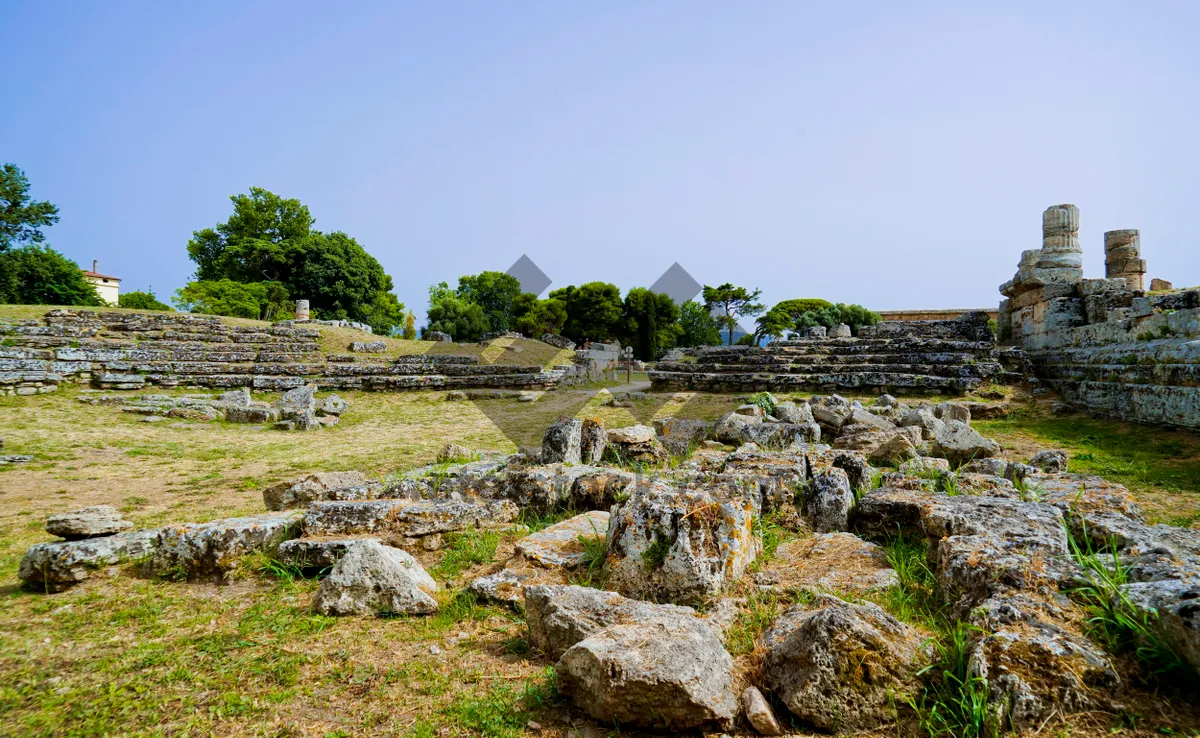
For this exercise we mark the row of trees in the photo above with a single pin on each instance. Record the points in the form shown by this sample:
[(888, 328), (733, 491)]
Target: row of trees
[(251, 266), (649, 322), (493, 302), (267, 253)]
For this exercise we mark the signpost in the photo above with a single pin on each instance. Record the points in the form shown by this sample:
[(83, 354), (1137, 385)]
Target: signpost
[(628, 364)]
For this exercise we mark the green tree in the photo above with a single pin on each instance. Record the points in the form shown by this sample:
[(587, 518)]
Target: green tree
[(141, 301), (774, 323), (35, 274), (650, 323), (259, 216), (270, 239), (254, 300), (463, 320), (593, 311), (21, 218), (495, 293), (533, 317), (697, 325), (410, 326), (854, 316), (731, 302)]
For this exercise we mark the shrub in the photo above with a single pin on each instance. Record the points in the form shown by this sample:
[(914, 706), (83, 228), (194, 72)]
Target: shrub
[(141, 301), (254, 300), (38, 275)]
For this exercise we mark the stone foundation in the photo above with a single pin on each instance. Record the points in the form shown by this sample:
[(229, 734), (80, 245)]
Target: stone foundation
[(1104, 344), (132, 351), (919, 356)]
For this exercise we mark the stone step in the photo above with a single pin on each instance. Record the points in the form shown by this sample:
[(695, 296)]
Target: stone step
[(974, 369), (741, 382)]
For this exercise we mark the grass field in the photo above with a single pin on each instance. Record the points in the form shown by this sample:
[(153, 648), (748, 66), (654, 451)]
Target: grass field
[(138, 657)]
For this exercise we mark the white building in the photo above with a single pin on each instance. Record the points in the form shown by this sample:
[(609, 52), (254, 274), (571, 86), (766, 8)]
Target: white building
[(107, 287)]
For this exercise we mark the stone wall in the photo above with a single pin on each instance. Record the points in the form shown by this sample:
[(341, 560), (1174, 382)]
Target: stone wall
[(918, 356), (114, 350), (1104, 344), (890, 316)]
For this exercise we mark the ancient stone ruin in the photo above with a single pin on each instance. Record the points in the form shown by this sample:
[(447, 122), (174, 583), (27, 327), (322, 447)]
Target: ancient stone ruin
[(920, 356), (125, 351), (1105, 345), (611, 595)]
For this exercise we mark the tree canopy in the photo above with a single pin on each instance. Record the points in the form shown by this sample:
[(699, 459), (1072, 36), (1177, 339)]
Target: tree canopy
[(594, 311), (533, 317), (731, 302), (494, 292), (254, 300), (796, 315), (35, 274), (698, 326), (270, 239), (650, 323), (22, 218), (141, 301), (451, 314)]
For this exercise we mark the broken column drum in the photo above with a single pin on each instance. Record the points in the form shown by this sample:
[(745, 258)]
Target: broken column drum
[(1123, 258)]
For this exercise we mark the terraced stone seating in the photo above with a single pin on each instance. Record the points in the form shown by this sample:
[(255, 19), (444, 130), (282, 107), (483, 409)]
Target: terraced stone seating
[(126, 351), (929, 356)]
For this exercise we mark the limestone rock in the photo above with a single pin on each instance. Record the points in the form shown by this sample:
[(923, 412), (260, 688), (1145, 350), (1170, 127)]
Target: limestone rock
[(1177, 604), (373, 579), (53, 567), (792, 412), (924, 419), (452, 452), (87, 522), (731, 427), (446, 516), (504, 587), (308, 553), (1036, 669), (211, 550), (599, 489), (1051, 462), (925, 465), (636, 443), (831, 413), (858, 471), (894, 451), (559, 616), (545, 489), (559, 546), (758, 713), (332, 406), (310, 488), (592, 441), (958, 443), (839, 562), (947, 411), (562, 442), (672, 675), (841, 666), (681, 545), (828, 501), (340, 518)]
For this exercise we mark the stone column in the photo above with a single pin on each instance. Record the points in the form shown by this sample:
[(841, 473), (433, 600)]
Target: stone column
[(1060, 240), (1123, 258), (301, 309)]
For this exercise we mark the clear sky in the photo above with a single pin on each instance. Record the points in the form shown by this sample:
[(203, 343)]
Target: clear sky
[(897, 155)]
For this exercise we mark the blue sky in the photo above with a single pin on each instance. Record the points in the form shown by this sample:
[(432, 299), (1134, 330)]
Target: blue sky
[(896, 155)]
